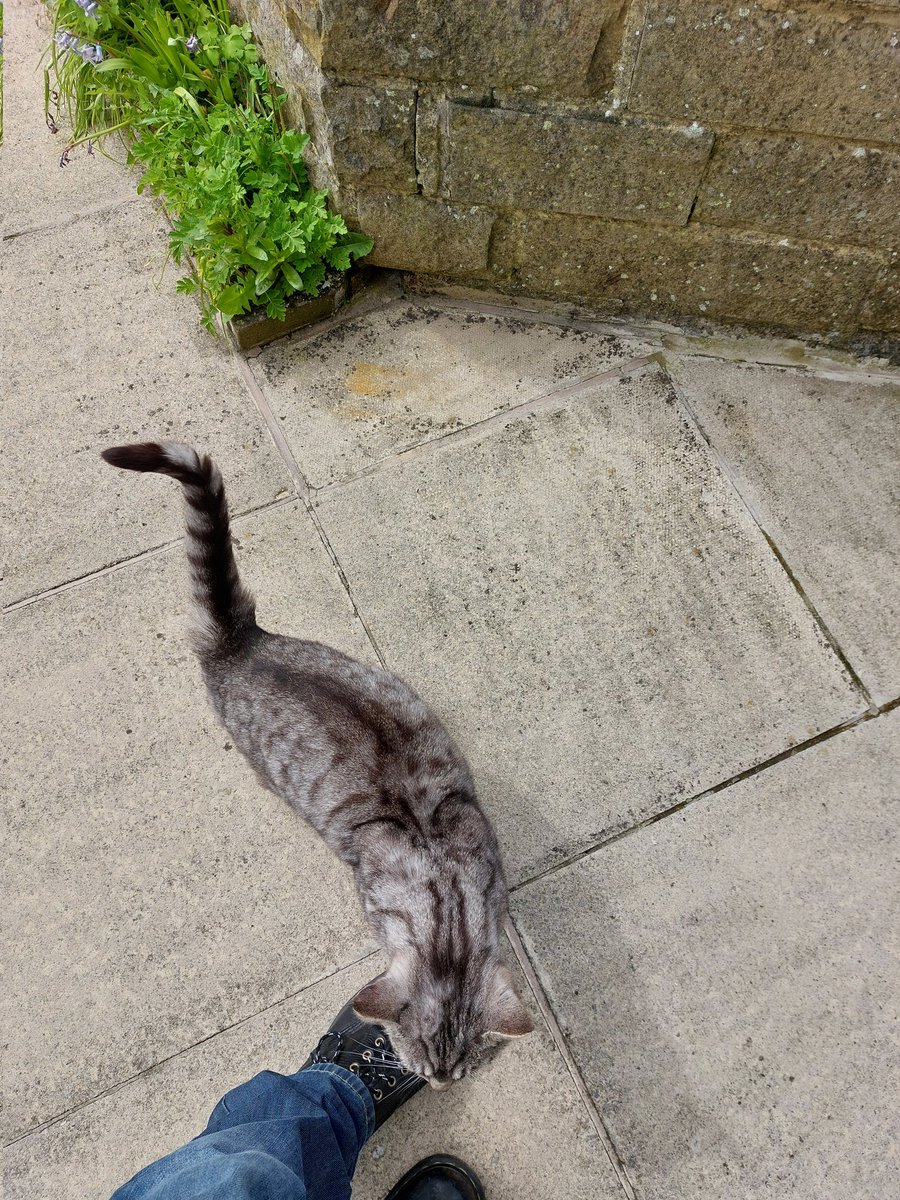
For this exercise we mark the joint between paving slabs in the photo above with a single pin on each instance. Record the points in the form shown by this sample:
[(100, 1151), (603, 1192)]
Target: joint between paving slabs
[(65, 222), (757, 518), (115, 1087), (616, 835), (562, 393), (302, 488), (121, 563), (559, 1039)]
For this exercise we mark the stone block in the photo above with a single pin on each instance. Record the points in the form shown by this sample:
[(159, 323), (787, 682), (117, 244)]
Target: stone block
[(770, 67), (881, 309), (804, 188), (728, 981), (561, 47), (372, 136), (631, 170), (699, 271), (413, 233), (583, 596), (817, 460)]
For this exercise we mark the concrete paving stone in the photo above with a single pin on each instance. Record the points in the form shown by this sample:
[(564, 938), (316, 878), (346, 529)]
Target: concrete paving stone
[(93, 353), (157, 893), (381, 384), (519, 1122), (36, 190), (817, 459), (587, 602), (728, 979)]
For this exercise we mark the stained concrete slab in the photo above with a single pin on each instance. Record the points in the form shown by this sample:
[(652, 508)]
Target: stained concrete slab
[(375, 386), (587, 602), (817, 459), (155, 894), (728, 980), (519, 1122), (37, 192), (105, 356)]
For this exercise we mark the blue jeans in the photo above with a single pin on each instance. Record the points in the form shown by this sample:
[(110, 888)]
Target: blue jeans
[(276, 1137)]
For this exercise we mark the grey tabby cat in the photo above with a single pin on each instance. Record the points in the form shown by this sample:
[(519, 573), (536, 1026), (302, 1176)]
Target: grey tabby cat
[(358, 754)]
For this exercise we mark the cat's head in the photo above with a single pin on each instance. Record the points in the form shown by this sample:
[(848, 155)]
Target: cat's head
[(443, 1026)]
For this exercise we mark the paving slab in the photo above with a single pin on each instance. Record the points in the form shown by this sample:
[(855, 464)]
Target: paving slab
[(158, 893), (106, 356), (817, 459), (590, 606), (519, 1122), (37, 192), (381, 384), (728, 979)]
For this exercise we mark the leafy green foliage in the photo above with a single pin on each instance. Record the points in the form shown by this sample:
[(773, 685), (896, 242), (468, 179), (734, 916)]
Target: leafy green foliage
[(185, 87)]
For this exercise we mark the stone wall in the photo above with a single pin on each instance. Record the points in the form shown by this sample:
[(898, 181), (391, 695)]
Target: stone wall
[(690, 160)]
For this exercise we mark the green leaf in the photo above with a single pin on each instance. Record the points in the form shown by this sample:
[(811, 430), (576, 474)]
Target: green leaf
[(291, 276)]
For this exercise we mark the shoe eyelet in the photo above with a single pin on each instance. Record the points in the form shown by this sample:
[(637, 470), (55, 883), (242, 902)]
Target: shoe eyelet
[(367, 1055), (354, 1067), (392, 1082), (378, 1095), (379, 1042)]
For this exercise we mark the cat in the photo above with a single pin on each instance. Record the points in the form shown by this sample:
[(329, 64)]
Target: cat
[(356, 751)]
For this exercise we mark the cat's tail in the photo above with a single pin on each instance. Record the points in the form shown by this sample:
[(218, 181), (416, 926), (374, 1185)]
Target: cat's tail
[(223, 611)]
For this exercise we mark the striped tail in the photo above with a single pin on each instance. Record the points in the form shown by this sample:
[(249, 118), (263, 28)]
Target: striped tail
[(223, 611)]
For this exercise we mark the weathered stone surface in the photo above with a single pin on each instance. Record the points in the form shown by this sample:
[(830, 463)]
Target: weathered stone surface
[(633, 170), (519, 1122), (377, 386), (771, 67), (372, 136), (699, 271), (588, 603), (881, 309), (74, 300), (413, 233), (564, 47), (817, 460), (728, 979), (804, 188), (160, 895)]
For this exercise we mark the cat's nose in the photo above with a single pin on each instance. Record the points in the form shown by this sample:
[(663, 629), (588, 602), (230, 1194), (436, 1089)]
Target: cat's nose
[(440, 1084)]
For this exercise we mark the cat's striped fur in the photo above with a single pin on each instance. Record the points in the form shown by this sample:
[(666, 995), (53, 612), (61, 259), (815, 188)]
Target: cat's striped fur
[(356, 751)]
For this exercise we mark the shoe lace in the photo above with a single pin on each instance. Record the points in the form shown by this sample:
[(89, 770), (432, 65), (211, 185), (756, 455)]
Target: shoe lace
[(373, 1066)]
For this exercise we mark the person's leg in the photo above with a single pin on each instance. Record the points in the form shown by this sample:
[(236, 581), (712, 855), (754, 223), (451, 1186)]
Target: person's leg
[(289, 1137), (276, 1137)]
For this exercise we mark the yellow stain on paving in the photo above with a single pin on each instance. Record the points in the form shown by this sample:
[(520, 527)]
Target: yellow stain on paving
[(372, 379)]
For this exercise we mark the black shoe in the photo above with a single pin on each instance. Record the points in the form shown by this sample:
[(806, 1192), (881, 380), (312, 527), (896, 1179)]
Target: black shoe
[(440, 1177), (366, 1050)]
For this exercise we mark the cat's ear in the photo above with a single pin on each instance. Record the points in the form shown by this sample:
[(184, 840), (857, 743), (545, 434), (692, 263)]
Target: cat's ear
[(506, 1015), (382, 999)]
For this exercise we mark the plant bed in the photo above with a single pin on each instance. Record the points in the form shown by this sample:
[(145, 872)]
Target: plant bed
[(184, 87), (256, 327)]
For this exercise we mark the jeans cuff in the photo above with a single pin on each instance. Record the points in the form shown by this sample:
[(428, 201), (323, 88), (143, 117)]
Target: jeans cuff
[(354, 1083)]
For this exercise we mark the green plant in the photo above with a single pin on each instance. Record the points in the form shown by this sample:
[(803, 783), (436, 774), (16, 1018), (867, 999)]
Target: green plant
[(184, 87)]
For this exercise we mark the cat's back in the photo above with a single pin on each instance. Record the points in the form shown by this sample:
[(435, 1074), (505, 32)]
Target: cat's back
[(297, 709)]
